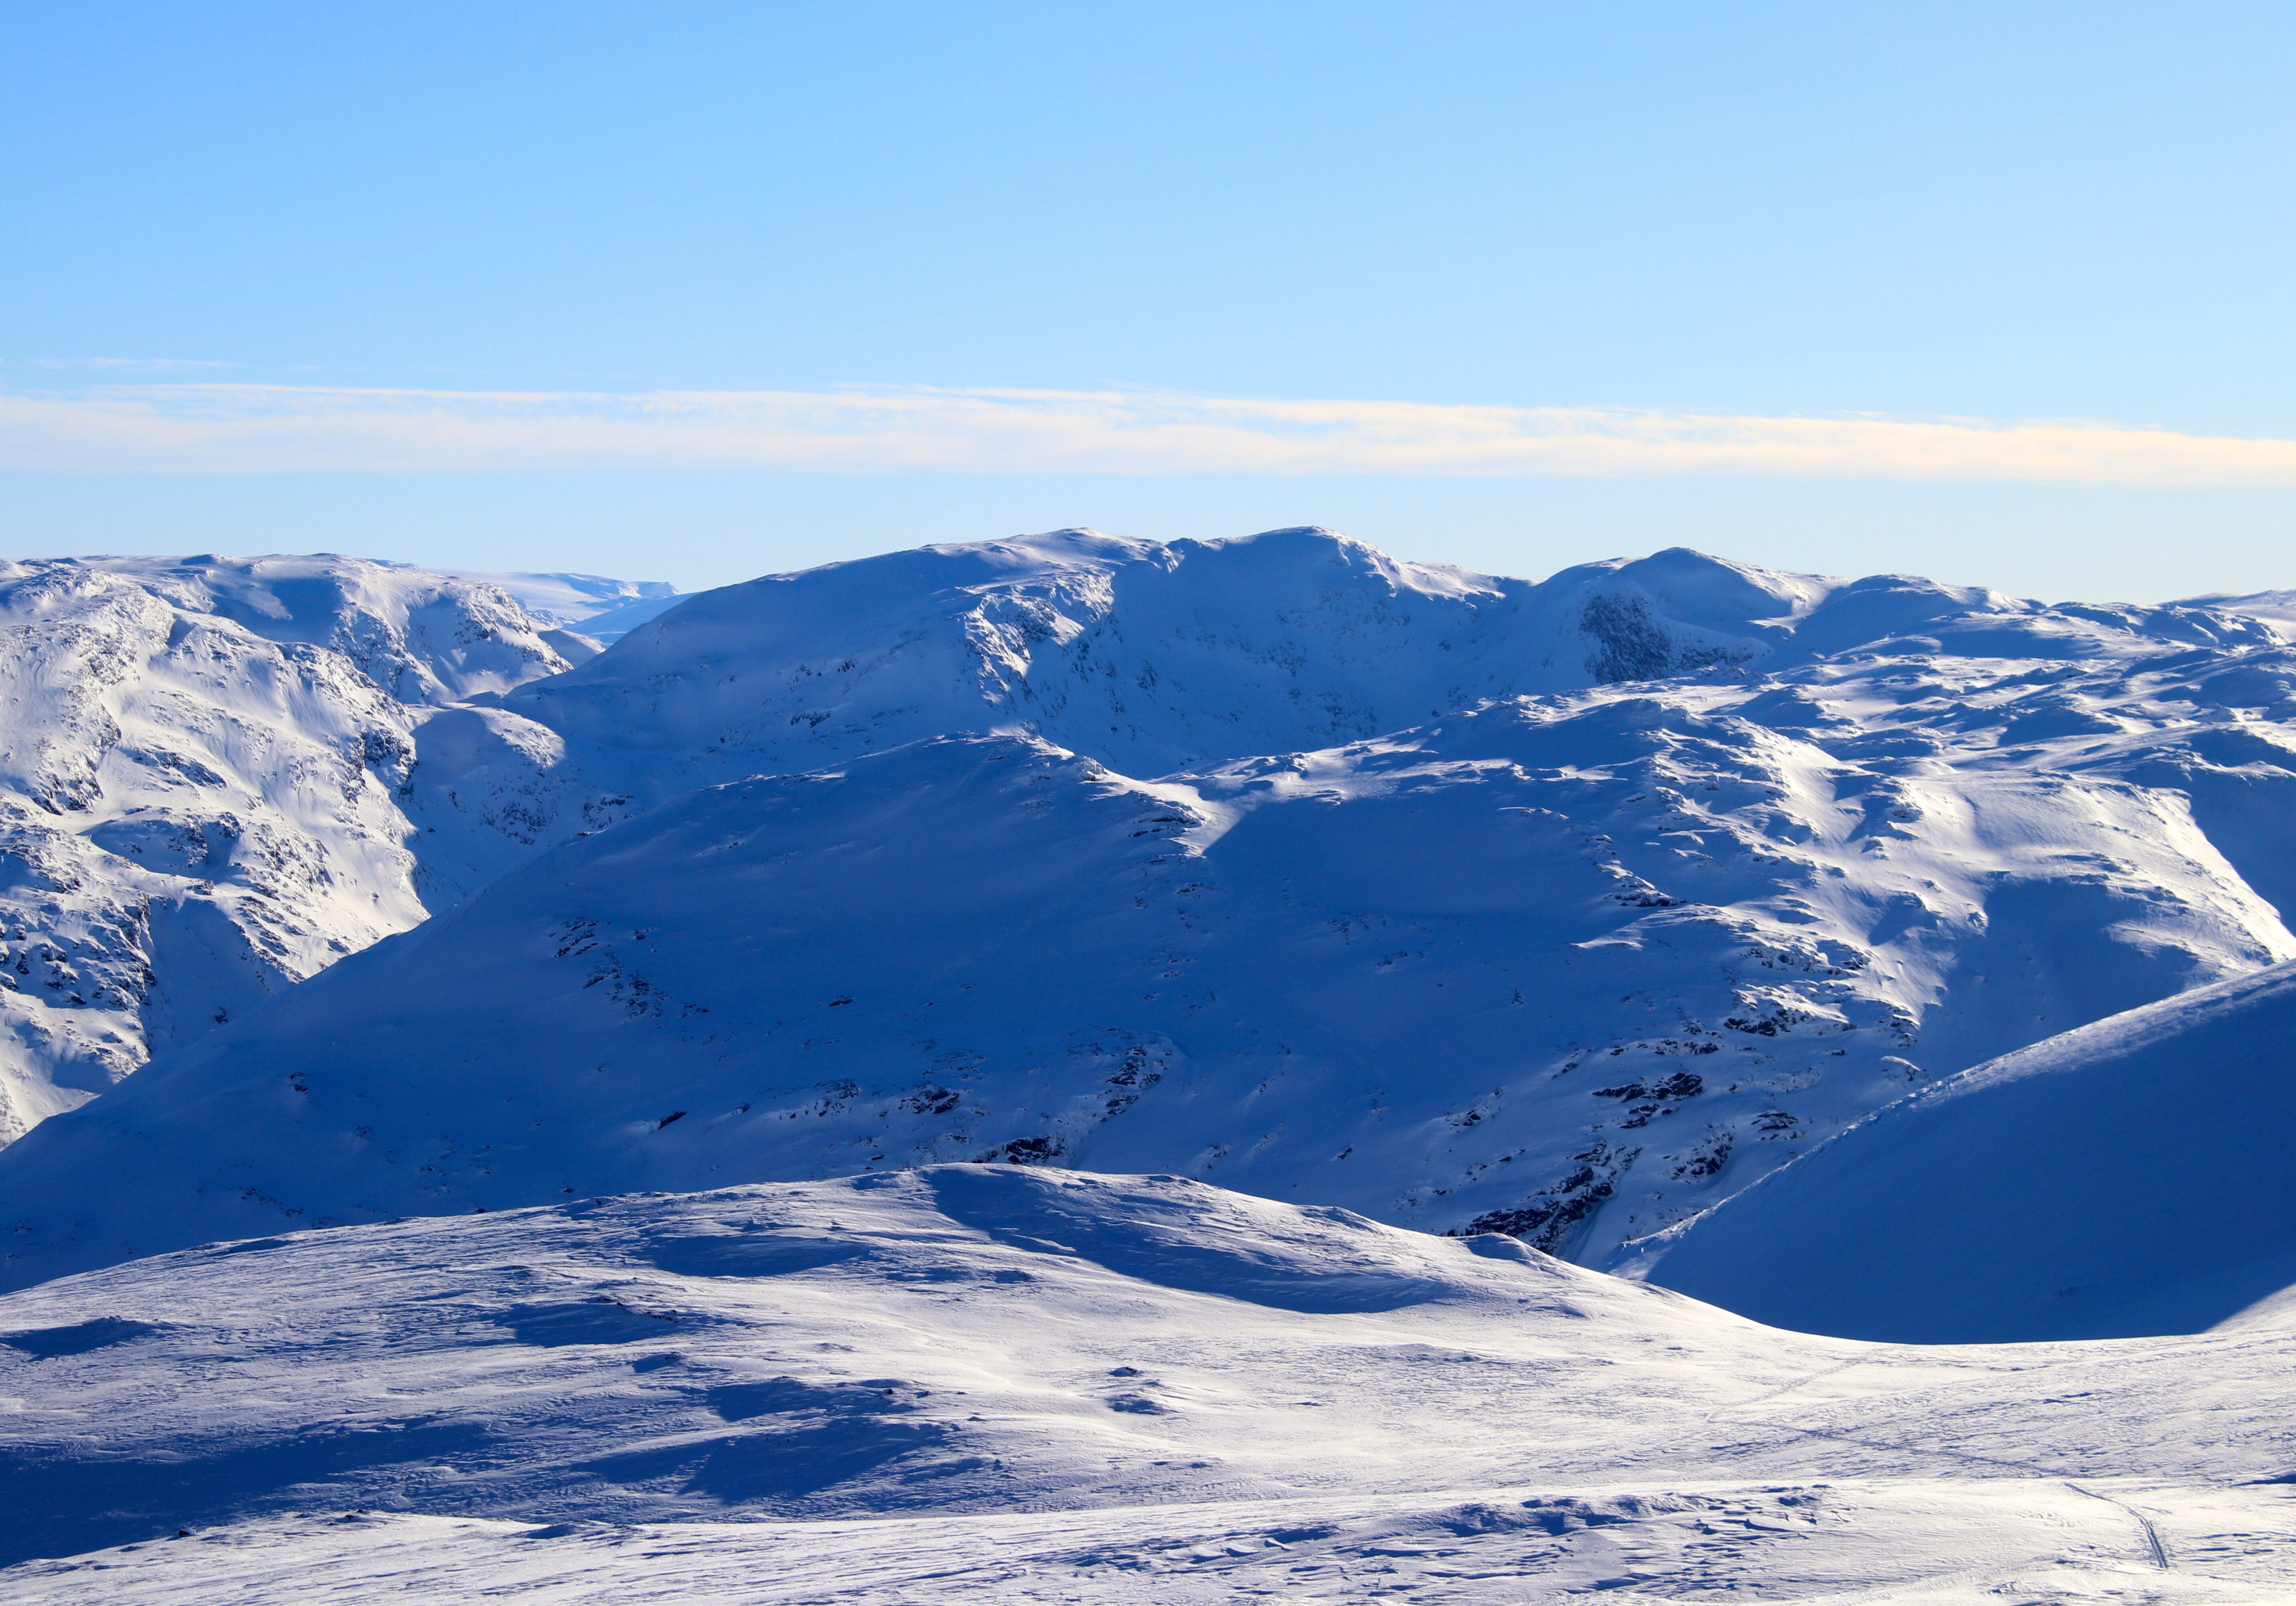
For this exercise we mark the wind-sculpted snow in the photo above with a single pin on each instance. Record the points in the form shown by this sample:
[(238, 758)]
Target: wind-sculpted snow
[(202, 768), (1570, 969), (2129, 1177), (988, 1382)]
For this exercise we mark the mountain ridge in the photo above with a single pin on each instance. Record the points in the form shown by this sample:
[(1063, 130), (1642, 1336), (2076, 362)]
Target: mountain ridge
[(201, 774), (1569, 963)]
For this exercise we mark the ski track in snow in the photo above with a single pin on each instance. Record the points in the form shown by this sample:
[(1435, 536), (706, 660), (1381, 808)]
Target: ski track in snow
[(1023, 1384)]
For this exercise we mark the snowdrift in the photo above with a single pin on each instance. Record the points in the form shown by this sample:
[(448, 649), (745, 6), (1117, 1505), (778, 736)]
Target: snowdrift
[(986, 1381), (2129, 1178)]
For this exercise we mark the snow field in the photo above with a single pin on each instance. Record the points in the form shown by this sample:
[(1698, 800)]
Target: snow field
[(1405, 896), (973, 1382)]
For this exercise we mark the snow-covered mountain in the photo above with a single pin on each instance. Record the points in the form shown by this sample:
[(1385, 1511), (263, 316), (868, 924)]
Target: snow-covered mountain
[(1573, 958), (2278, 608), (1550, 916), (203, 765), (994, 1383), (2128, 1177), (1152, 658), (594, 601), (1572, 967)]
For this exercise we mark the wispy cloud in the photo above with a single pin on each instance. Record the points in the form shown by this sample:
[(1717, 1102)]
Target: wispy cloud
[(262, 428), (131, 364)]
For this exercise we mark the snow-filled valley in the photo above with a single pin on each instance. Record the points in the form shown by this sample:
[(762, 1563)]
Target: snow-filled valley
[(853, 920)]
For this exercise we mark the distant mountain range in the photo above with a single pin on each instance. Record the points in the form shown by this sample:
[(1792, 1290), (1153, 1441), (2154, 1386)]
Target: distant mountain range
[(1563, 910), (605, 610)]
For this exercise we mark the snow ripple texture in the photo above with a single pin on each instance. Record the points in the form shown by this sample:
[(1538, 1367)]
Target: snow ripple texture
[(970, 1382)]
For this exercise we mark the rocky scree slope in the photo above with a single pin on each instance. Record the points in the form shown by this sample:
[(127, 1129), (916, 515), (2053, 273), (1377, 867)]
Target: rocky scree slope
[(205, 769), (1570, 968)]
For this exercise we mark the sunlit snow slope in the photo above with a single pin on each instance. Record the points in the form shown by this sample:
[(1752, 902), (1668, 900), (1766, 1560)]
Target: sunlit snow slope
[(2129, 1177), (569, 599), (203, 767), (593, 609), (987, 1382), (1154, 657), (1660, 870), (1569, 968)]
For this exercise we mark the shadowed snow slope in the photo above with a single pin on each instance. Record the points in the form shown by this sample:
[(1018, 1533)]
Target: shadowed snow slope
[(203, 763), (1570, 970), (1571, 966), (2129, 1177), (973, 1382)]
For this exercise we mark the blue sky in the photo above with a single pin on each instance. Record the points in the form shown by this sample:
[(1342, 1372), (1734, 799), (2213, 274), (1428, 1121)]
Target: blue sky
[(701, 291)]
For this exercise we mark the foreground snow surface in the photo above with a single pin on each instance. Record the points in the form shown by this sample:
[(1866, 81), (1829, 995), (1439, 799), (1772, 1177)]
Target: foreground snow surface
[(989, 1383), (2129, 1177)]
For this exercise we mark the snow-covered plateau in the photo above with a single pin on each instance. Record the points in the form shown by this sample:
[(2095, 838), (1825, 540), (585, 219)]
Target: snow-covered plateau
[(899, 900), (1023, 1384)]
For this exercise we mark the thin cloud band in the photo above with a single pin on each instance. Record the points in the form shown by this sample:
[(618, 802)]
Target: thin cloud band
[(240, 428)]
